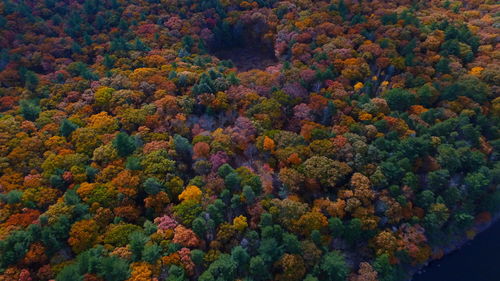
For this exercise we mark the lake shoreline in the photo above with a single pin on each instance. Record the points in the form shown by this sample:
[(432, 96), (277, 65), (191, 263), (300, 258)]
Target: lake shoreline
[(458, 244)]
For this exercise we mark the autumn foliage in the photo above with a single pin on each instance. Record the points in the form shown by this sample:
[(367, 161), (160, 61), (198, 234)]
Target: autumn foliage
[(351, 142)]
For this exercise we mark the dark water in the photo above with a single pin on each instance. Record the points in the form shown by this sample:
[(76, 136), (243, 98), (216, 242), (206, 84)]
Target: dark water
[(478, 260)]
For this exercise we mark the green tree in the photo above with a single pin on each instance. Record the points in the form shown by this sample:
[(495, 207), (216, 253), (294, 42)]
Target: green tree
[(426, 96), (386, 271), (309, 277), (197, 257), (232, 181), (248, 194), (137, 244), (241, 257), (399, 99), (222, 269), (443, 65), (199, 226), (224, 170), (67, 127), (449, 158), (140, 46), (69, 273), (291, 243), (426, 198), (124, 144), (133, 163), (438, 179), (183, 147), (353, 231), (477, 183), (30, 80), (151, 253), (176, 273), (333, 267), (336, 227), (14, 247), (152, 186), (114, 269), (258, 269), (29, 110)]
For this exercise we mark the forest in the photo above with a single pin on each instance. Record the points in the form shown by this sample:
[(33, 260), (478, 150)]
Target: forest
[(249, 140)]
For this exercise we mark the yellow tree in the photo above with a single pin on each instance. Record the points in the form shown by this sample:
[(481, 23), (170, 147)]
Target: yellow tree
[(83, 235)]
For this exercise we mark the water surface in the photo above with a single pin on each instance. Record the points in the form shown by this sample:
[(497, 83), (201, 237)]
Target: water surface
[(478, 260)]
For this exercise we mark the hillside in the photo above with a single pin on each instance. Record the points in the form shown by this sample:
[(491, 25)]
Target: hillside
[(244, 140)]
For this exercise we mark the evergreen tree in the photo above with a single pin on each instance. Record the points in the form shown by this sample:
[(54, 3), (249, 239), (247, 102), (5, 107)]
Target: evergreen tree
[(30, 80), (29, 110), (67, 127), (124, 144), (333, 267)]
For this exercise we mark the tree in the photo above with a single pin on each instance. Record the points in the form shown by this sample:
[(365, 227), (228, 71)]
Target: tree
[(133, 163), (187, 211), (258, 269), (427, 95), (157, 164), (176, 273), (353, 231), (30, 80), (248, 195), (140, 46), (186, 237), (67, 127), (119, 234), (399, 99), (137, 243), (292, 266), (242, 259), (443, 65), (29, 110), (83, 235), (191, 193), (472, 87), (69, 273), (223, 269), (183, 148), (333, 267), (309, 277), (14, 247), (92, 261), (477, 183), (151, 253), (365, 273), (437, 216), (336, 227), (124, 144), (114, 269), (232, 181), (449, 158), (199, 227), (240, 223), (386, 271), (311, 221), (438, 179), (326, 171), (141, 271), (152, 186), (291, 243), (103, 96)]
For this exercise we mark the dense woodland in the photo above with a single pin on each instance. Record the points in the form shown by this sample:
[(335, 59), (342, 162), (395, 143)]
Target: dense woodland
[(353, 141)]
